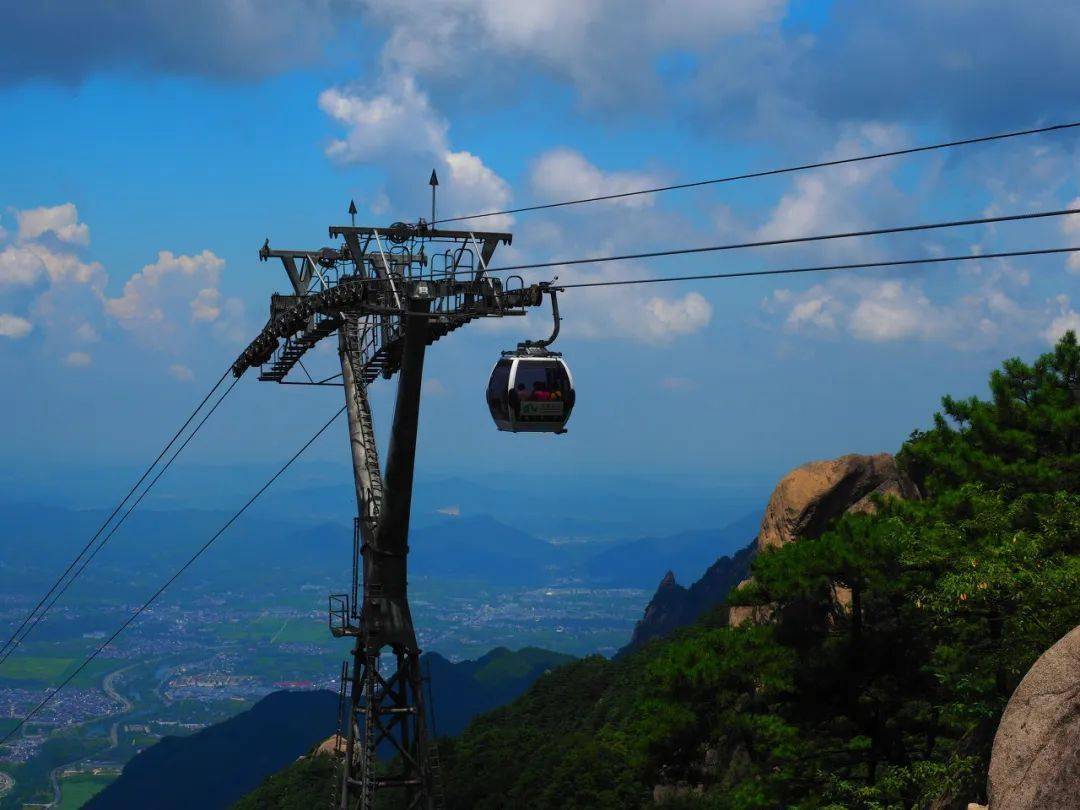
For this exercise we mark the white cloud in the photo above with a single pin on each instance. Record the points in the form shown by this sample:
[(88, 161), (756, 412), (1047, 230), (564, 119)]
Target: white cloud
[(1070, 225), (12, 326), (627, 312), (889, 311), (20, 266), (78, 360), (875, 311), (25, 265), (181, 372), (62, 221), (62, 266), (206, 305), (562, 174), (814, 308), (163, 298), (475, 186), (399, 118), (892, 310), (1066, 318), (836, 199), (164, 304), (58, 290), (398, 126), (672, 317)]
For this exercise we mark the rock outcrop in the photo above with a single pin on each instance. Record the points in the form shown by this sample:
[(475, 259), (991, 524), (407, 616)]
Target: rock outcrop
[(1035, 762), (812, 496), (331, 746), (801, 507), (674, 606)]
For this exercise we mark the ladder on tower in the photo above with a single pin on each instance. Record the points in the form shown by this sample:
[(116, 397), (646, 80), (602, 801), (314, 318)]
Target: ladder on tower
[(359, 337), (367, 749), (435, 769)]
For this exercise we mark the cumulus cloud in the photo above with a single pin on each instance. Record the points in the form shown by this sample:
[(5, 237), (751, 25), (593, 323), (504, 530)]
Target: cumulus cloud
[(869, 310), (46, 243), (1065, 319), (26, 264), (397, 126), (20, 266), (629, 312), (176, 290), (639, 314), (565, 174), (60, 220), (399, 118), (231, 39), (44, 275), (816, 308), (844, 197), (669, 318), (49, 287), (892, 310), (888, 311), (12, 326)]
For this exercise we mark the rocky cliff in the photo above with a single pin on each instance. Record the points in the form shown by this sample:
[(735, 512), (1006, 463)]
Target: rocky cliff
[(674, 606), (802, 506), (811, 497)]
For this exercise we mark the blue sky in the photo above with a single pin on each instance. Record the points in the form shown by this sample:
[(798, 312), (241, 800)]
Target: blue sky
[(149, 151)]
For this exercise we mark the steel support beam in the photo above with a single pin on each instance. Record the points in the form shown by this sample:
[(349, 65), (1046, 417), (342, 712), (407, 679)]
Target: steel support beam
[(386, 566), (386, 621)]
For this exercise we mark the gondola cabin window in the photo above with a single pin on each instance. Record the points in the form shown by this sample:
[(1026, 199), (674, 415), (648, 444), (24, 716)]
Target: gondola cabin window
[(498, 389)]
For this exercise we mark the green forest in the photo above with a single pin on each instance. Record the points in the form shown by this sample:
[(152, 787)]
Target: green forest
[(894, 643)]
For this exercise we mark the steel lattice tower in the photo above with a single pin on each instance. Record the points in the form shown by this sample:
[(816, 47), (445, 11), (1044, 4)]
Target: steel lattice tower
[(387, 294)]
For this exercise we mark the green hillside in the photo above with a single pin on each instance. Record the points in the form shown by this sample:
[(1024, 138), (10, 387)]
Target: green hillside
[(888, 700)]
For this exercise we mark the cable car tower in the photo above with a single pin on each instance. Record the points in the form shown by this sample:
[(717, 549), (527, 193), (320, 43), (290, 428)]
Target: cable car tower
[(387, 294)]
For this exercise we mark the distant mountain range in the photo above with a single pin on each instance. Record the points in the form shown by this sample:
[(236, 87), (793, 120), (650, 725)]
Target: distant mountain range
[(218, 765), (686, 555), (40, 540)]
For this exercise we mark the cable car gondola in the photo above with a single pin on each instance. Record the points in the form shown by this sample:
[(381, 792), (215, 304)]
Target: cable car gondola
[(531, 389)]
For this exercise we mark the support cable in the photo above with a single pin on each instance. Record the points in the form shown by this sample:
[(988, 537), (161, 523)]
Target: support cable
[(825, 267), (4, 655), (191, 560), (770, 172), (113, 514), (929, 226)]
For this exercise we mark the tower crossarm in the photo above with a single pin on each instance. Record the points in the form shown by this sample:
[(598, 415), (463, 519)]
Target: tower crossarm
[(298, 322)]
